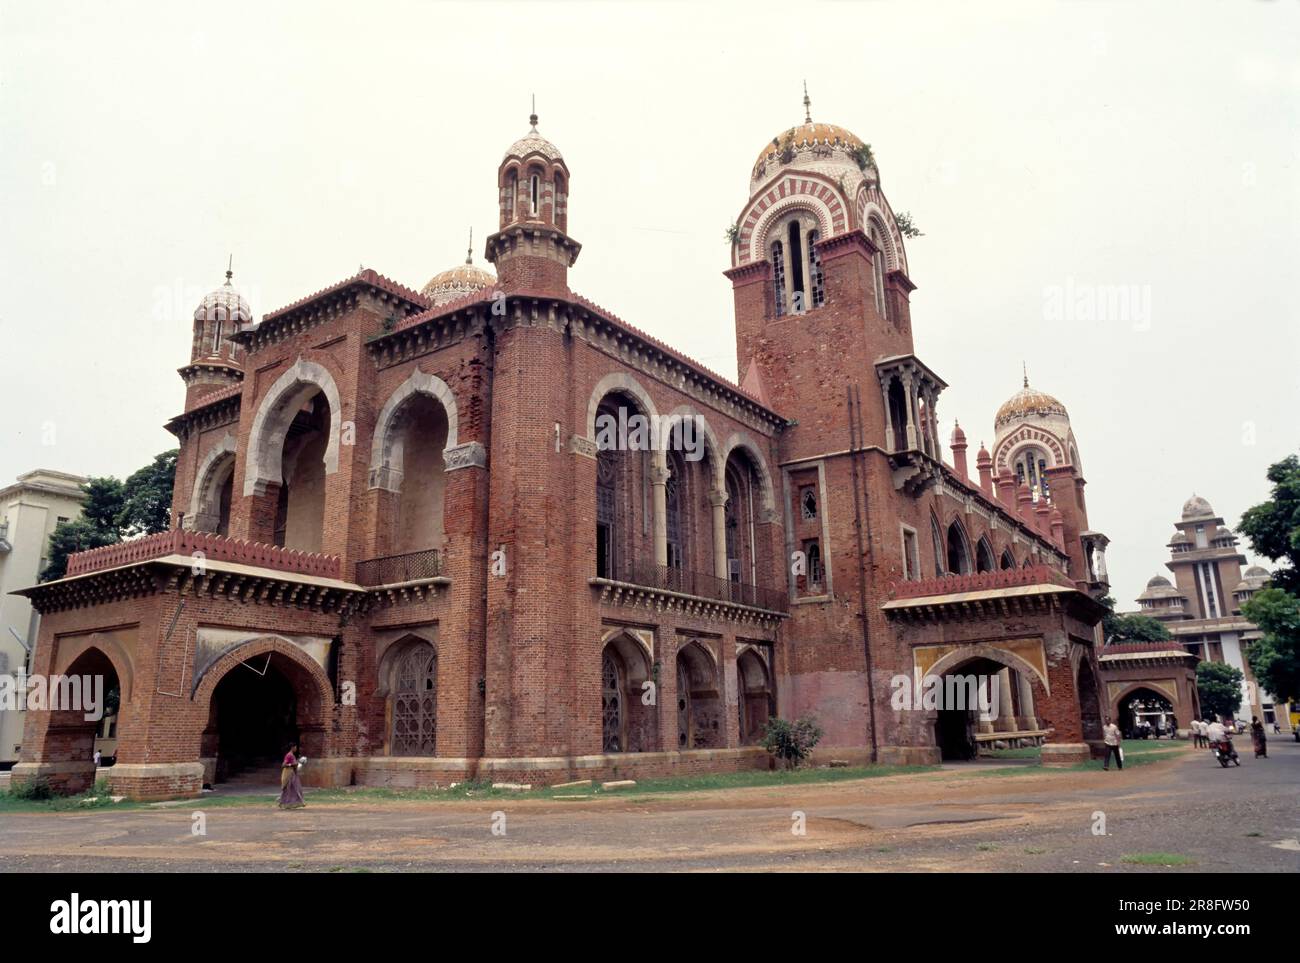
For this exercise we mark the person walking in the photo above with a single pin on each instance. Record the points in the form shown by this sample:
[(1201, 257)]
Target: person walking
[(290, 784), (1198, 734), (1110, 735), (1259, 738)]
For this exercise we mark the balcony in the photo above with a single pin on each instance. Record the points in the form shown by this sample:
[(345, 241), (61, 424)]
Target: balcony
[(665, 578), (983, 582), (419, 566), (203, 546)]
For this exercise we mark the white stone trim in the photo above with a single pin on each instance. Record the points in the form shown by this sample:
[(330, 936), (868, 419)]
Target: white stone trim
[(274, 415), (385, 454)]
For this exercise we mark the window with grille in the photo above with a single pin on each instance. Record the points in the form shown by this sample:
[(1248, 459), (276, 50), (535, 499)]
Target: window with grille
[(815, 269), (415, 702), (778, 277)]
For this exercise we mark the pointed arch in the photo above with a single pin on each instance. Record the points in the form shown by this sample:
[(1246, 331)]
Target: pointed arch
[(205, 499), (984, 555), (957, 544), (387, 448), (274, 415)]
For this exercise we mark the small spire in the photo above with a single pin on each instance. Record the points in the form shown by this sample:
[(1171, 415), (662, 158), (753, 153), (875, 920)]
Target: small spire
[(807, 105), (532, 118), (230, 268), (469, 252), (1024, 367)]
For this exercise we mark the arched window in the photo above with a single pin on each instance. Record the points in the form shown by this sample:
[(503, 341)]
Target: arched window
[(798, 295), (674, 496), (878, 268), (535, 193), (958, 554), (1008, 560), (778, 277), (816, 573), (1031, 469), (216, 335), (983, 556), (512, 190), (815, 271), (940, 555), (606, 512), (611, 703), (415, 702)]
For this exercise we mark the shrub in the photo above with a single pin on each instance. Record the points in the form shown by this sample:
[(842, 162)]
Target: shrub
[(791, 741), (37, 789)]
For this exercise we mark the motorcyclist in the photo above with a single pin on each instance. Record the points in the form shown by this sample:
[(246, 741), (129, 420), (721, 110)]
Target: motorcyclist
[(1218, 736)]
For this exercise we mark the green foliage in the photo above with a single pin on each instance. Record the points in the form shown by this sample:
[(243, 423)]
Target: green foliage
[(1219, 687), (906, 227), (1275, 658), (733, 233), (114, 510), (863, 156), (1130, 628), (791, 741), (1273, 527), (147, 497), (38, 790)]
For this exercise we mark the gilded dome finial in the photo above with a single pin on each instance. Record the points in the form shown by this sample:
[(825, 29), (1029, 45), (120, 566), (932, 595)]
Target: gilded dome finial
[(532, 118), (807, 105), (230, 268), (1025, 368)]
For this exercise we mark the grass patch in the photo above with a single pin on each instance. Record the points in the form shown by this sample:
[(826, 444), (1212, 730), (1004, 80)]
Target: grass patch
[(758, 777), (1034, 851), (37, 797), (986, 847), (1157, 859)]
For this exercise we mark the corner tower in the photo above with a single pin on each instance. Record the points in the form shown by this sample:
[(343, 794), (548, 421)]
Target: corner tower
[(532, 251), (819, 274), (215, 360)]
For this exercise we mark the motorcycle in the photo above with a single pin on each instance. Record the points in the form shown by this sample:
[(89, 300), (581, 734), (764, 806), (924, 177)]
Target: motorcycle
[(1224, 752)]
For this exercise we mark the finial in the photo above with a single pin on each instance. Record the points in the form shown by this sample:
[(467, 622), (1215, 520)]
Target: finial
[(469, 251), (229, 268), (807, 105), (1024, 367), (532, 118)]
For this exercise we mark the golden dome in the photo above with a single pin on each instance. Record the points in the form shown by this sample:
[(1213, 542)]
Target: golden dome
[(808, 137), (457, 282), (1026, 402)]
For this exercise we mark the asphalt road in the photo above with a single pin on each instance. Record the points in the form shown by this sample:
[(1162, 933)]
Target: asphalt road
[(963, 819)]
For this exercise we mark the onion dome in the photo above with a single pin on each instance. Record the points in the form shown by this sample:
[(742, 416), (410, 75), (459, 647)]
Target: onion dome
[(1258, 571), (1180, 538), (1197, 507), (1159, 588), (1027, 403), (459, 281), (958, 436), (224, 304), (1159, 582)]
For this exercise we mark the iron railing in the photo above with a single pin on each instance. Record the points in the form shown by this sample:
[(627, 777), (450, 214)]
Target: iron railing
[(670, 579), (393, 569)]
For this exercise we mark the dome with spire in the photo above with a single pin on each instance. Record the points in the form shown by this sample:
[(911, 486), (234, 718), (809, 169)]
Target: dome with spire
[(1027, 403), (224, 304), (1197, 507), (459, 281), (826, 148), (1159, 581), (1258, 571), (533, 143)]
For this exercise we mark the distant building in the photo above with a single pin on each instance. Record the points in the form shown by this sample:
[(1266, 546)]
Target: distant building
[(29, 510), (1201, 607)]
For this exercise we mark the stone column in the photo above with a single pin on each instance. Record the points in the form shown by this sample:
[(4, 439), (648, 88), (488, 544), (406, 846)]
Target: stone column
[(889, 418), (1027, 718), (659, 492), (718, 499), (909, 389), (1006, 721), (985, 699)]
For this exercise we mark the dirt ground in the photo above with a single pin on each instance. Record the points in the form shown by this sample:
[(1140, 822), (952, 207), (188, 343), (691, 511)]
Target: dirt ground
[(962, 819)]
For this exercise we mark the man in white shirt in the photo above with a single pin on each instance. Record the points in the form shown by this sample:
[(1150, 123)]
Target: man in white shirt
[(1110, 735), (1216, 733), (1198, 733)]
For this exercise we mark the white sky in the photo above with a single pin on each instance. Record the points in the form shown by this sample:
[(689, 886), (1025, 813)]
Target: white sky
[(1036, 145)]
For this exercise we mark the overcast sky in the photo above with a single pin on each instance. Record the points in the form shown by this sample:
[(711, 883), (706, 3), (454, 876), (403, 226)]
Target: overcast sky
[(1049, 151)]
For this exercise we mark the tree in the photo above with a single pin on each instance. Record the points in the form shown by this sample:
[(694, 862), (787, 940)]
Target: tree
[(147, 497), (791, 741), (1275, 658), (1130, 628), (113, 510), (1273, 527), (1219, 687)]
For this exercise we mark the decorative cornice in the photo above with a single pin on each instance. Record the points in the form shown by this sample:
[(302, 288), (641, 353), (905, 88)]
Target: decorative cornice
[(469, 455), (626, 594)]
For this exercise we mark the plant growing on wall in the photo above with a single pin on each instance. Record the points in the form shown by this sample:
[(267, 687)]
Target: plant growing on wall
[(791, 742)]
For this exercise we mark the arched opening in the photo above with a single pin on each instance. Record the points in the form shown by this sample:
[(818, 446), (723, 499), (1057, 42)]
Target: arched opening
[(898, 413), (746, 564), (71, 737), (1143, 713), (414, 694), (940, 553), (1008, 560), (300, 506), (1031, 466), (626, 724), (256, 709), (756, 702), (778, 277), (216, 488), (417, 438), (878, 267), (958, 551), (984, 556), (624, 538), (977, 695), (699, 704)]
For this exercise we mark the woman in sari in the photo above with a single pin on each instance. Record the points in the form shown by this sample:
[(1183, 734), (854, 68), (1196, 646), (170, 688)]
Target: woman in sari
[(1259, 738), (290, 784)]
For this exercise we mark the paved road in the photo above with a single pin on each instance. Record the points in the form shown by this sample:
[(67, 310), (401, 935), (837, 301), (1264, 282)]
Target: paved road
[(962, 819)]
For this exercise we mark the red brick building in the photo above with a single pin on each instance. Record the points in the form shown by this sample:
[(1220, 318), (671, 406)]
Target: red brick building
[(403, 534)]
